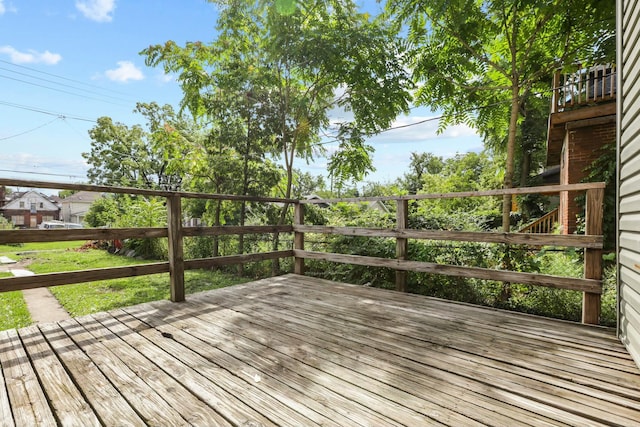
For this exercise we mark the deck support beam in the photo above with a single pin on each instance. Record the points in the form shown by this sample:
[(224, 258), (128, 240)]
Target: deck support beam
[(593, 257), (298, 237), (176, 252), (402, 244)]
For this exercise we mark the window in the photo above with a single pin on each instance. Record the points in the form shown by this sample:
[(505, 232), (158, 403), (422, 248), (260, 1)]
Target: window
[(21, 205), (41, 205), (46, 218), (17, 219)]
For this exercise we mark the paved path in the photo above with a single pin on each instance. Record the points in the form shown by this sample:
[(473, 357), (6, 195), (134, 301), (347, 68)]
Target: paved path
[(42, 305)]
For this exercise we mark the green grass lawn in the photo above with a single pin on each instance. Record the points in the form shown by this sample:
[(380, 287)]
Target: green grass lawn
[(104, 295), (13, 310), (47, 246), (85, 298)]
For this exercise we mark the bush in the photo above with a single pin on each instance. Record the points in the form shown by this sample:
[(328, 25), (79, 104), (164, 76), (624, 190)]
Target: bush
[(143, 212)]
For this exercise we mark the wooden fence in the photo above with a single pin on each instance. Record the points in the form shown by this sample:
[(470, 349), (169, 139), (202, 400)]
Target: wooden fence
[(592, 242), (175, 232)]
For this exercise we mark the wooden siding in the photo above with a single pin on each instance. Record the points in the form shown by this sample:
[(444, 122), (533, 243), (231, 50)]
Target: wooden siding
[(301, 351), (629, 176)]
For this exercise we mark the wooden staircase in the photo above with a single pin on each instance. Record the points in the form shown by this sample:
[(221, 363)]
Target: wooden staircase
[(544, 224)]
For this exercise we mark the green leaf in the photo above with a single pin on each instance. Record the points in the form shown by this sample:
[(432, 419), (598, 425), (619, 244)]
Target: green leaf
[(286, 7)]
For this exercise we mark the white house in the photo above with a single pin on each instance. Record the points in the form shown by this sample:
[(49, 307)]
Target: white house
[(29, 209), (76, 206)]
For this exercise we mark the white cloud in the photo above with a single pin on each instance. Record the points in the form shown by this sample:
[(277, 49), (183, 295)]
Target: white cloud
[(421, 128), (126, 71), (34, 164), (2, 8), (166, 78), (31, 56), (97, 10)]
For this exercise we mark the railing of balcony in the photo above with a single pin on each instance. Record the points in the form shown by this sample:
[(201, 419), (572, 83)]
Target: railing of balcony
[(587, 85), (176, 232)]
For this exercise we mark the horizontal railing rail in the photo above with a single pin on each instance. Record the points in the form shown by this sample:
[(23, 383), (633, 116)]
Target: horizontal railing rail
[(592, 242), (176, 232)]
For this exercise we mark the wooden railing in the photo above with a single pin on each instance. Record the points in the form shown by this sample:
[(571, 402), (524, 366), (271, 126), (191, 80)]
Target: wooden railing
[(587, 85), (175, 232), (592, 242), (545, 224)]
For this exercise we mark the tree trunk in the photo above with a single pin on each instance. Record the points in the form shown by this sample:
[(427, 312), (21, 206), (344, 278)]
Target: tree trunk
[(511, 149)]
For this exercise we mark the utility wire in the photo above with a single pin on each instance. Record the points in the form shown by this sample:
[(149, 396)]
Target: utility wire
[(43, 111), (63, 84), (30, 130), (62, 91), (43, 173), (63, 78)]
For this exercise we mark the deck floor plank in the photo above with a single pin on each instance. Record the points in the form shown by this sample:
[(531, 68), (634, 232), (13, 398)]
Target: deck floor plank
[(66, 400), (379, 370), (6, 417), (565, 391), (164, 352), (145, 400), (494, 344), (300, 351), (281, 386), (260, 361), (456, 390), (365, 339), (28, 402), (107, 402), (175, 394), (603, 346)]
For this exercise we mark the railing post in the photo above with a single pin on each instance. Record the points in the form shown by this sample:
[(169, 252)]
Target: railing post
[(176, 255), (555, 96), (402, 208), (592, 257), (298, 237)]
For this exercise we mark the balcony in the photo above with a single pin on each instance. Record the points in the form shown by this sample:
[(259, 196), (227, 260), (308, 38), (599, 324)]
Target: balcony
[(303, 351), (588, 86)]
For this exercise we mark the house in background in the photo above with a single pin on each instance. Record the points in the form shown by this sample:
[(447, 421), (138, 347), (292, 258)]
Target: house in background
[(582, 121), (29, 209), (76, 206)]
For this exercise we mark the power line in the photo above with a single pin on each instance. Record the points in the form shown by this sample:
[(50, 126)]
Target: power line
[(30, 130), (62, 77), (62, 91), (43, 173), (43, 111), (62, 84)]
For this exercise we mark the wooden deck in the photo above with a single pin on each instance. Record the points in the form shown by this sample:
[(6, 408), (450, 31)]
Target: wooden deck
[(299, 351)]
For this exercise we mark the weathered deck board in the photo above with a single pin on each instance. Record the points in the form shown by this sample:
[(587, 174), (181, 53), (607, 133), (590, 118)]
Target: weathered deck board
[(299, 351)]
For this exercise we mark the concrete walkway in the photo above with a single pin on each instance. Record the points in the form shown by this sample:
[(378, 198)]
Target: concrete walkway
[(42, 305)]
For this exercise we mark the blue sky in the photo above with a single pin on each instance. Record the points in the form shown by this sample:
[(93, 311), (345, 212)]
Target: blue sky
[(65, 63)]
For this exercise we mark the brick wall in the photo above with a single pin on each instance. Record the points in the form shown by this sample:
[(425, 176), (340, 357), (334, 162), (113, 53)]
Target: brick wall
[(8, 214), (582, 147)]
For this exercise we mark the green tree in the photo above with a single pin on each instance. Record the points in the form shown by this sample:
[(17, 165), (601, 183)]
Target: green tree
[(303, 59), (421, 164), (284, 72), (478, 60), (105, 211), (133, 156), (461, 173)]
